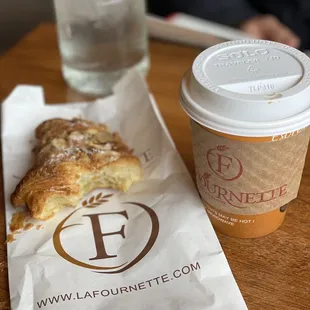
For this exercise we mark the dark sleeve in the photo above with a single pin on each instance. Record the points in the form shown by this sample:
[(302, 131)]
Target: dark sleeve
[(229, 12)]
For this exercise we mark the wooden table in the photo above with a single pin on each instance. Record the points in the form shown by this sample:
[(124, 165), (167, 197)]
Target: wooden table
[(272, 272)]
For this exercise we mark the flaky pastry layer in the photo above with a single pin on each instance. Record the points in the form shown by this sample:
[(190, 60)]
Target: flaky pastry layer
[(73, 157)]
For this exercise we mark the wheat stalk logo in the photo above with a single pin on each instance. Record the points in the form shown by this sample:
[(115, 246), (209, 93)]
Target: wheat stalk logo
[(95, 201), (222, 148)]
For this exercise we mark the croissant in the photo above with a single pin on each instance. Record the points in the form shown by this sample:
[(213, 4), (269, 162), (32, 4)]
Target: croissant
[(74, 157)]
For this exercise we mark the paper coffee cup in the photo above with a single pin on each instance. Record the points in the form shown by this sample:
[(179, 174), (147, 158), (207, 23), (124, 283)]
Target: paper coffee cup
[(249, 104)]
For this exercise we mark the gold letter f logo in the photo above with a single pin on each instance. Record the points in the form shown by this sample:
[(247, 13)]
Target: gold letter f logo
[(98, 235)]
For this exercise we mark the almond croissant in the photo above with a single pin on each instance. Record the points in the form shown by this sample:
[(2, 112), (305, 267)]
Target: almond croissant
[(74, 157)]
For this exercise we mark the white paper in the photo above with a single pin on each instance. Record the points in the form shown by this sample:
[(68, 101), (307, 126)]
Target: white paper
[(185, 268)]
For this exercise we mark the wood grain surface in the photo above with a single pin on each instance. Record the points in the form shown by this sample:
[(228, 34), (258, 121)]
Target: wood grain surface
[(272, 272)]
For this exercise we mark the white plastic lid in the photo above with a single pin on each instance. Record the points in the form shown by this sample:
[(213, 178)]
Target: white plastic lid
[(249, 88)]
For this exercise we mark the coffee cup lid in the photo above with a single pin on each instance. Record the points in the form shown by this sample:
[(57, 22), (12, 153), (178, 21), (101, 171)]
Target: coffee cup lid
[(249, 88)]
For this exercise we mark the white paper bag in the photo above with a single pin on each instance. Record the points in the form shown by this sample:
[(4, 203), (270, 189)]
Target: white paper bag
[(150, 248)]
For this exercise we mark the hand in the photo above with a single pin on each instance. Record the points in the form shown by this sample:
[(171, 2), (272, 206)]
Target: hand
[(268, 27)]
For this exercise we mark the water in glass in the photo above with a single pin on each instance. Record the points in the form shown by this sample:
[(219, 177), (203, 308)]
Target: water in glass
[(100, 40)]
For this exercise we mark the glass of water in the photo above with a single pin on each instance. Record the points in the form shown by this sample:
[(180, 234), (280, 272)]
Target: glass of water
[(99, 40)]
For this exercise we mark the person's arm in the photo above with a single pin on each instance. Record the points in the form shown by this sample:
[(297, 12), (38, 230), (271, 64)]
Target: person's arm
[(233, 13)]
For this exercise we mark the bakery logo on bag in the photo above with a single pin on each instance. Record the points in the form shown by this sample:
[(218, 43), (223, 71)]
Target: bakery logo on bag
[(225, 168), (105, 241)]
